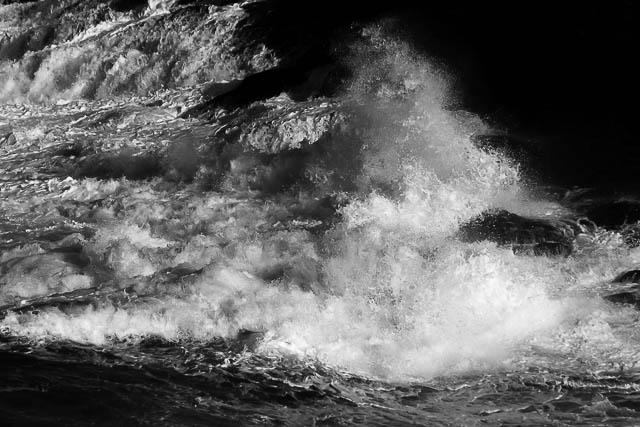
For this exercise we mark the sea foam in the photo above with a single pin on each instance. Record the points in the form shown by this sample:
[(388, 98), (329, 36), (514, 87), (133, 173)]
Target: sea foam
[(387, 291)]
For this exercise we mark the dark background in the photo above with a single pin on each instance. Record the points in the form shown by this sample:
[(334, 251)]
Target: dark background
[(559, 76)]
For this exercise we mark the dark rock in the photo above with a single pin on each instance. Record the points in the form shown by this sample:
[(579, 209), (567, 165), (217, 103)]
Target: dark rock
[(628, 295), (631, 298), (524, 235), (259, 86), (128, 5), (310, 64), (544, 248), (631, 276), (116, 165), (216, 89), (301, 81), (74, 242), (73, 255), (208, 2), (293, 27)]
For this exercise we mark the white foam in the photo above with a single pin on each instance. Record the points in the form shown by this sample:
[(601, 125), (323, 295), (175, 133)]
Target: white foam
[(89, 189), (392, 293), (89, 67)]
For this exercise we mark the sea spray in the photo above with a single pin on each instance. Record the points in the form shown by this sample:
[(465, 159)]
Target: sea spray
[(383, 289), (388, 291), (186, 240)]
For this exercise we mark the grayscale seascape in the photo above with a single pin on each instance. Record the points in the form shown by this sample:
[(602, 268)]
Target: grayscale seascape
[(205, 221)]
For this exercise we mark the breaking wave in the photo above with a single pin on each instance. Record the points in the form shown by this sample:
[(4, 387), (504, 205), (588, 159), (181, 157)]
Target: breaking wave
[(385, 288)]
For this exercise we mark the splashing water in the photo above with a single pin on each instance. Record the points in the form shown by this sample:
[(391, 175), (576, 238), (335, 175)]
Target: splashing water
[(395, 296), (112, 59), (385, 289)]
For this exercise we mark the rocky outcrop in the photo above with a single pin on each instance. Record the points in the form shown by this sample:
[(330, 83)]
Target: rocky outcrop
[(631, 276), (116, 165), (282, 126), (524, 235), (626, 294), (631, 297), (128, 5), (299, 82)]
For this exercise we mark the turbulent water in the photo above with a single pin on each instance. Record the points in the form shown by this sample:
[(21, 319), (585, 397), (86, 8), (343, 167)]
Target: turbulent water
[(294, 261)]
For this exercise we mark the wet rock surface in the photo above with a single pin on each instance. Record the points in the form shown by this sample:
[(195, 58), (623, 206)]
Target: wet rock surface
[(525, 235), (631, 297), (628, 289), (631, 276)]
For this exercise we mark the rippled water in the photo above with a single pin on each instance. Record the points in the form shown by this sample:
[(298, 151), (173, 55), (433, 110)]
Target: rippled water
[(293, 262)]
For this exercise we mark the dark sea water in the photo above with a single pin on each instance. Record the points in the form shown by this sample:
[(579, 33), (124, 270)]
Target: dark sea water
[(173, 254)]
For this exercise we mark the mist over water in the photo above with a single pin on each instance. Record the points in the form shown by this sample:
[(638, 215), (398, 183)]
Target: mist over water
[(341, 249)]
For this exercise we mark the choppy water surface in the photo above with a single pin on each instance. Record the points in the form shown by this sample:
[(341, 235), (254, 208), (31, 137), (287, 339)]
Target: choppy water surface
[(290, 262)]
